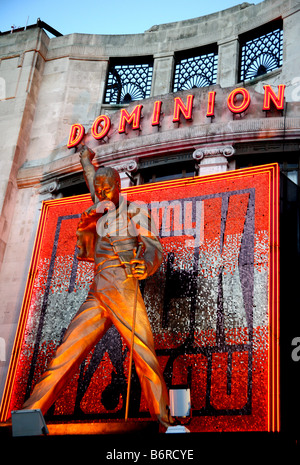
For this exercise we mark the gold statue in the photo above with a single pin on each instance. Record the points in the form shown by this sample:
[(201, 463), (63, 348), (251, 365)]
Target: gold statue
[(111, 233)]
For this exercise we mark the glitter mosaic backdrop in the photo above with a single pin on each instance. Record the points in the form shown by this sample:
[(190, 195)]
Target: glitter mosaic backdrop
[(213, 305)]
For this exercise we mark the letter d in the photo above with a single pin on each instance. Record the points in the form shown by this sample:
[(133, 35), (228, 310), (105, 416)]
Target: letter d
[(76, 135)]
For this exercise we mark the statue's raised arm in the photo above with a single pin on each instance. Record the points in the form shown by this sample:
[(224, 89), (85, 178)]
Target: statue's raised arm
[(86, 156)]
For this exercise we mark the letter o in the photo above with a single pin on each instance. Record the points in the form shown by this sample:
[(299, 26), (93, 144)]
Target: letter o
[(104, 128), (243, 105)]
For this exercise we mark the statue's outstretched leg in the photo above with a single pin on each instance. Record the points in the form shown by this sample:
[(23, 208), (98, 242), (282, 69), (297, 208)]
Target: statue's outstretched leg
[(85, 330)]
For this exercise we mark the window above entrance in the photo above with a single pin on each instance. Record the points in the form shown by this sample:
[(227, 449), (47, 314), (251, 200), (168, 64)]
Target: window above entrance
[(261, 51), (195, 68), (129, 80)]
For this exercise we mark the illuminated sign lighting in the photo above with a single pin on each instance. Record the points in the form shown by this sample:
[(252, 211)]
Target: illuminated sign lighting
[(238, 101), (211, 104), (231, 103), (180, 108), (156, 113), (76, 135), (134, 117), (105, 127), (278, 100)]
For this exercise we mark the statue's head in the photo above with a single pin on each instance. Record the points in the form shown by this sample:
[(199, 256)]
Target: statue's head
[(107, 185)]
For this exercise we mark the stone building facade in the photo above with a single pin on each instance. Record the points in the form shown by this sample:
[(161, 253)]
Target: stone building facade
[(49, 84)]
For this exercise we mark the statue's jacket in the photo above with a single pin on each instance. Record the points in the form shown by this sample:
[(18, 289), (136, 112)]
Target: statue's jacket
[(115, 237)]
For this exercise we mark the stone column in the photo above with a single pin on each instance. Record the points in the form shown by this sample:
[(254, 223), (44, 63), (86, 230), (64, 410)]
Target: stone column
[(291, 67), (213, 159), (129, 166), (50, 190), (162, 74), (228, 62)]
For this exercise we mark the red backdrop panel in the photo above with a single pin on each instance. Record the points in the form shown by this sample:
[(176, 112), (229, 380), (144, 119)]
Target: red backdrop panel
[(213, 305)]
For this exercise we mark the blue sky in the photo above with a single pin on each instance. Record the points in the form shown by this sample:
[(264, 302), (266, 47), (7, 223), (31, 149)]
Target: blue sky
[(106, 16)]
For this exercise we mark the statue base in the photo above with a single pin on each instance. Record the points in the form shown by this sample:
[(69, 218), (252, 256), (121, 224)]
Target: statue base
[(63, 429), (177, 429), (90, 428)]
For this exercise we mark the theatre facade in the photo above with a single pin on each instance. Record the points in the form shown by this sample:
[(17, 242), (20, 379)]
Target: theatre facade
[(201, 118)]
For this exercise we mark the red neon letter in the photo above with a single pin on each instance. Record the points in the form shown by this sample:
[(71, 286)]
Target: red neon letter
[(104, 127), (156, 113), (243, 105), (211, 104), (179, 107), (278, 100), (134, 117), (76, 135)]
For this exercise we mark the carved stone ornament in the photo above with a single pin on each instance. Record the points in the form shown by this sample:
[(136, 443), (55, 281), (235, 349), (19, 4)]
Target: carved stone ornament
[(130, 165), (225, 150), (49, 188)]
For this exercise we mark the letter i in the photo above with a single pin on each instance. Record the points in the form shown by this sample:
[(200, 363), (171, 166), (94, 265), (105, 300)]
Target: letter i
[(211, 104), (156, 113)]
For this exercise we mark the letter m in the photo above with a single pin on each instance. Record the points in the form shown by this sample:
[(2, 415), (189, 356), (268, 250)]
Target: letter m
[(133, 118)]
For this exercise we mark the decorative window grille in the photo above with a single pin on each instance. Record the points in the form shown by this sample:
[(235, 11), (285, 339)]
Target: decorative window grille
[(128, 82), (195, 70), (261, 54)]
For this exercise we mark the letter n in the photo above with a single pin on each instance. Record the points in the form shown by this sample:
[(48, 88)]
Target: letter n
[(278, 99), (133, 118), (181, 108)]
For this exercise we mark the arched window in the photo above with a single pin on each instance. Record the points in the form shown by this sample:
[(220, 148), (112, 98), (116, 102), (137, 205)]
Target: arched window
[(261, 51), (195, 68), (128, 80)]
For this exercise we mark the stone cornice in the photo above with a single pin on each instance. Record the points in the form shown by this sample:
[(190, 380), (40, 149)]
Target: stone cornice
[(172, 141)]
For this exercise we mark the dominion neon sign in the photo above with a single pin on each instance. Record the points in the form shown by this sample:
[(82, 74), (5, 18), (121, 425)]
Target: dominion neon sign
[(238, 101)]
